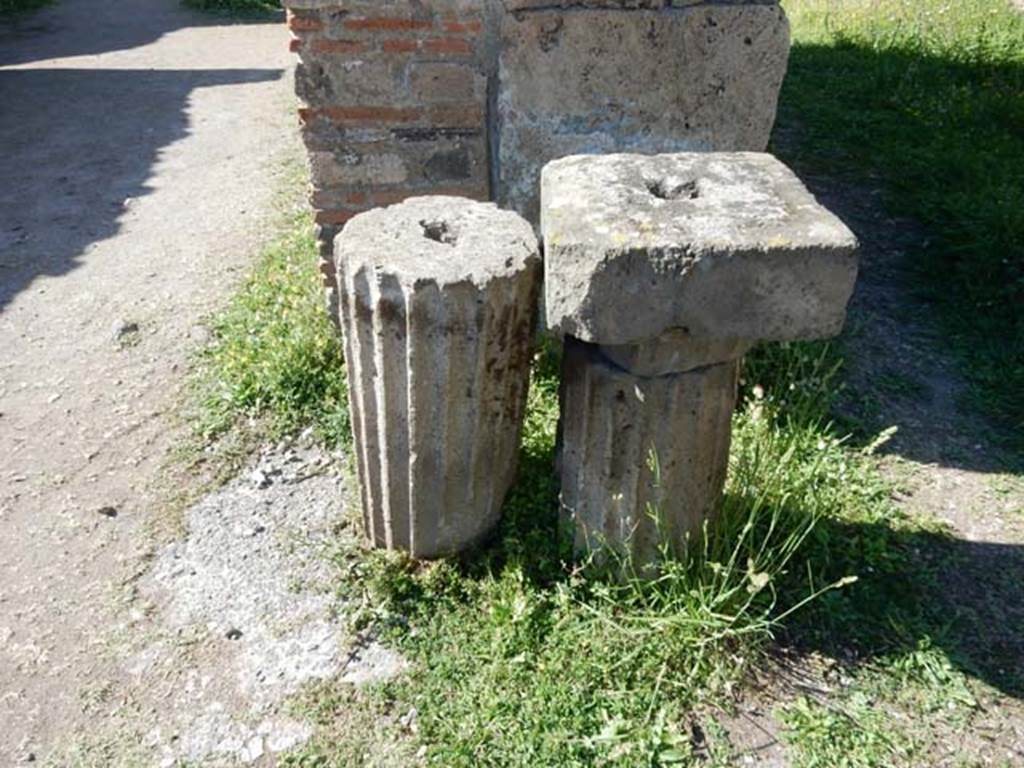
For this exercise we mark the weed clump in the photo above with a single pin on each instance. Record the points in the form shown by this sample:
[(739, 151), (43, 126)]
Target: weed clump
[(275, 357)]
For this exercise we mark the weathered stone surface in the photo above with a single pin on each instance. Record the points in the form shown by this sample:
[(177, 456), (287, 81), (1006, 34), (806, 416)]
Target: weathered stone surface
[(719, 246), (613, 76), (674, 351), (438, 298), (615, 424)]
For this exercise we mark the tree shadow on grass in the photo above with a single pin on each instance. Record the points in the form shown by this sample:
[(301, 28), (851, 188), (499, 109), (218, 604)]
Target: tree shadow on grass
[(922, 156), (915, 589)]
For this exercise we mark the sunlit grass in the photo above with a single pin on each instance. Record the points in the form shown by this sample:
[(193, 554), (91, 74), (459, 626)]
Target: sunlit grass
[(275, 356)]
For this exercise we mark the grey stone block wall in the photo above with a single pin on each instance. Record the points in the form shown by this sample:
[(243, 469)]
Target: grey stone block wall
[(696, 78)]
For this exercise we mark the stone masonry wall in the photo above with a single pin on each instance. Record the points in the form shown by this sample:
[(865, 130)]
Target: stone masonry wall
[(699, 78), (473, 97), (395, 97)]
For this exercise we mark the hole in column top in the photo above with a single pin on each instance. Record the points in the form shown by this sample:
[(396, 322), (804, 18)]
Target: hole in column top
[(439, 232), (673, 189)]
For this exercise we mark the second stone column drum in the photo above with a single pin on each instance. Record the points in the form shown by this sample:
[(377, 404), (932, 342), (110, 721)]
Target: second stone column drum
[(438, 298), (661, 271)]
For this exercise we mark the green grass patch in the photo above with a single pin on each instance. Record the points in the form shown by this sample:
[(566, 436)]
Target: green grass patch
[(13, 7), (893, 712), (854, 735), (233, 7), (926, 99), (275, 358)]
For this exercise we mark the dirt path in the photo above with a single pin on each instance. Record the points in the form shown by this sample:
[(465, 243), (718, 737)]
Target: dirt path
[(950, 463), (141, 150)]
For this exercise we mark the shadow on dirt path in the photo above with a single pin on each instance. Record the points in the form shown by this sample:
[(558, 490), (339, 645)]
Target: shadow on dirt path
[(898, 369), (144, 146), (80, 146), (53, 32)]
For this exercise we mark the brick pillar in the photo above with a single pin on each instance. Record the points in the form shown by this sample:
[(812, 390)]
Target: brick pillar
[(395, 103)]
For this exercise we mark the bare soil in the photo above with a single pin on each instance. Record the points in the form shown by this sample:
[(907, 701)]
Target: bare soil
[(143, 149)]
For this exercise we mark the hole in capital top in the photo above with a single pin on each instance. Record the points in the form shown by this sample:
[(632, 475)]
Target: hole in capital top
[(673, 189), (439, 232)]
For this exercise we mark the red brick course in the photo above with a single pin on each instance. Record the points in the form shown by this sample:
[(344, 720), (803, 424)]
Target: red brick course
[(340, 46), (387, 24), (394, 105)]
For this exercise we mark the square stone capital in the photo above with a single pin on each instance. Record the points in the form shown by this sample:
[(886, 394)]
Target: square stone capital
[(718, 246)]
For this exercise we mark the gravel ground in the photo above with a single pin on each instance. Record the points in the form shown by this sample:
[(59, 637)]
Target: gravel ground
[(241, 615)]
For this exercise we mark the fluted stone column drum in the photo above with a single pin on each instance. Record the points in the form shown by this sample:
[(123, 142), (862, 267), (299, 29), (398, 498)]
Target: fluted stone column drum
[(438, 298), (643, 458)]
